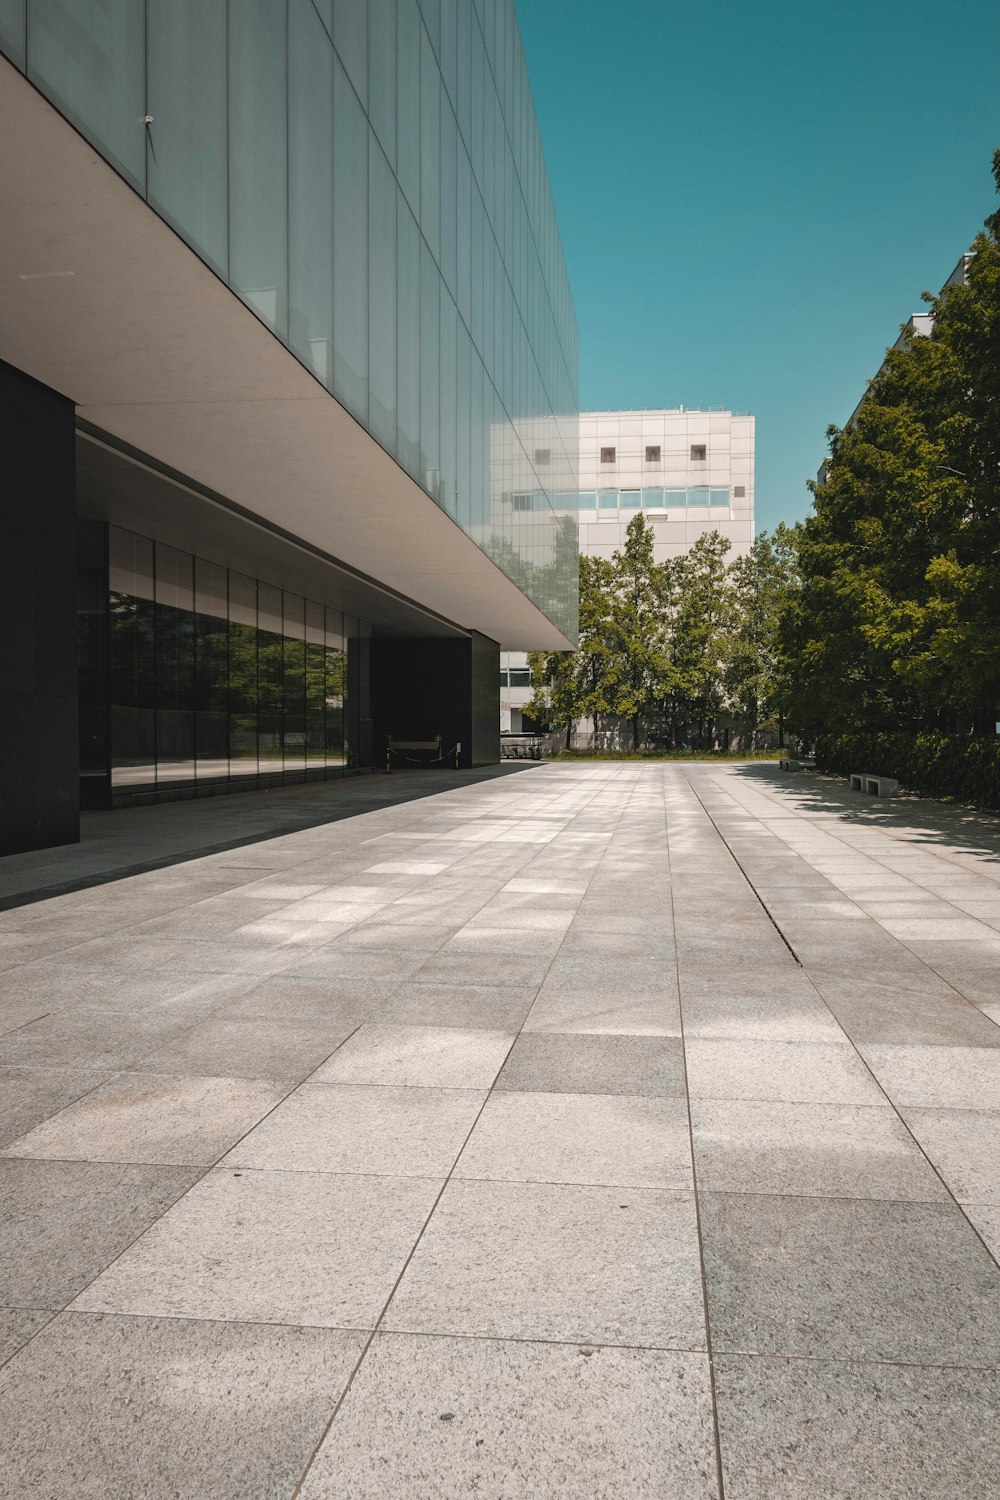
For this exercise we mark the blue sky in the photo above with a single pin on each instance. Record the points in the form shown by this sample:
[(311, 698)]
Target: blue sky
[(753, 194)]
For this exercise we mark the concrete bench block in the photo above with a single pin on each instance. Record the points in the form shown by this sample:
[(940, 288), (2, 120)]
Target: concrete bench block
[(874, 786)]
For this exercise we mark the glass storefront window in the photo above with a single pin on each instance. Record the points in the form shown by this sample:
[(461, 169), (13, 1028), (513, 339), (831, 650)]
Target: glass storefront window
[(293, 684), (211, 670), (269, 687), (242, 675), (175, 760), (350, 247)]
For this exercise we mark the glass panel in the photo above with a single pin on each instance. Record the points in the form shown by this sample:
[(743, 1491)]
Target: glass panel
[(315, 749), (675, 498), (269, 698), (654, 499), (350, 37), (409, 32), (211, 669), (463, 455), (408, 341), (607, 500), (382, 74), (186, 165), (310, 191), (719, 497), (132, 652), (335, 686), (629, 499), (430, 372), (12, 30), (258, 148), (88, 57), (174, 665), (382, 299), (587, 500), (430, 147), (697, 494), (294, 682), (242, 675), (350, 248), (449, 403), (448, 258), (93, 641)]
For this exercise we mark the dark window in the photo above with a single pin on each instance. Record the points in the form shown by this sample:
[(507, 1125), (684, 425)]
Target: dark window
[(520, 676), (543, 456), (652, 455), (698, 451), (740, 491), (522, 502), (503, 676), (607, 455)]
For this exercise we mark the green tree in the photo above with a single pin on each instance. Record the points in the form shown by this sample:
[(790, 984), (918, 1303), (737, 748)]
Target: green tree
[(700, 622), (755, 673), (897, 621), (639, 672)]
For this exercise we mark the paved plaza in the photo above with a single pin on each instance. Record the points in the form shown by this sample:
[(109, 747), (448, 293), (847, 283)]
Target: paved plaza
[(589, 1130)]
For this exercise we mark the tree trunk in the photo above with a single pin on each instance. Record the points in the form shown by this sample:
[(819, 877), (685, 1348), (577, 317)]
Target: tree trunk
[(781, 731)]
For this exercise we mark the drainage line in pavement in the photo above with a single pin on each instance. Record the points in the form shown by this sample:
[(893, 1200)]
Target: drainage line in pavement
[(763, 904)]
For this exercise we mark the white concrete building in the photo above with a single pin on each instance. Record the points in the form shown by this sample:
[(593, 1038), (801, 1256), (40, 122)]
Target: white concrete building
[(688, 471)]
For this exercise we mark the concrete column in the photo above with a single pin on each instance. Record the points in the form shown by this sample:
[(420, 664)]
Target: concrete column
[(39, 754)]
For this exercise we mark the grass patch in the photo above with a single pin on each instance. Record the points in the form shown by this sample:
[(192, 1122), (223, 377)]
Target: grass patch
[(670, 755)]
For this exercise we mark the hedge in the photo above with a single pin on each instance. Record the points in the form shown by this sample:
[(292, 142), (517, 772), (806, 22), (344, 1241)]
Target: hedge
[(963, 766)]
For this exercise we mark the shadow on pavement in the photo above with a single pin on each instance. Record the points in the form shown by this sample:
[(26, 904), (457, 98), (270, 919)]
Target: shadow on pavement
[(134, 841)]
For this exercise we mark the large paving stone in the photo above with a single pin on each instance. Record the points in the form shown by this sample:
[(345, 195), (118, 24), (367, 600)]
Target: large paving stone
[(819, 1430), (535, 1261), (160, 1408), (272, 1247), (459, 1417)]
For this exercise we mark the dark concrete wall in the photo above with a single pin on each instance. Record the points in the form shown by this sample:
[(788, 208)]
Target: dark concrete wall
[(39, 762), (422, 688), (485, 735)]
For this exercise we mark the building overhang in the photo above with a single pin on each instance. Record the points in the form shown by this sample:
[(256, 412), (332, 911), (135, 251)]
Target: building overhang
[(104, 303)]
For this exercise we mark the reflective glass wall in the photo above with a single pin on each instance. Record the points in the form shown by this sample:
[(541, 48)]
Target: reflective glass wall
[(367, 175), (199, 674)]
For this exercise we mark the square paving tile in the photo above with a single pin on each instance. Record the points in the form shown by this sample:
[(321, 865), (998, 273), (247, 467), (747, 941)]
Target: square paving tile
[(814, 1150), (490, 968), (109, 1406), (62, 1222), (964, 1145), (404, 1132), (769, 1019), (594, 1064), (251, 1048), (418, 1057), (875, 1014), (534, 1261), (604, 1139), (89, 1039), (17, 1326), (272, 1247), (143, 1118), (343, 1003), (336, 964), (938, 1077), (457, 1417), (486, 1007), (613, 1010), (986, 1219), (787, 1072), (812, 1430), (30, 1095), (832, 1278)]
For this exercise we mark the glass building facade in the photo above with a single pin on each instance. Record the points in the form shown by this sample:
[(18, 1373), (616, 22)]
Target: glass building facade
[(367, 176)]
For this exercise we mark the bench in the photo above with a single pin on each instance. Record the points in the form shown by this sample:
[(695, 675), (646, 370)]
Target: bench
[(796, 765), (875, 786)]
